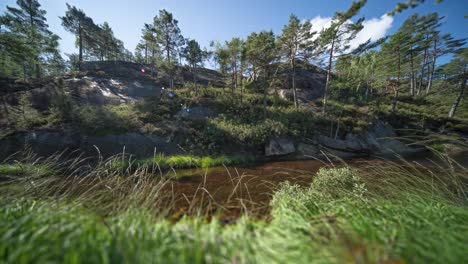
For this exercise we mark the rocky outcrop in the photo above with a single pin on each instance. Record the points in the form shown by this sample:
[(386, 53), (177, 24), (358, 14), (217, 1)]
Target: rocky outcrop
[(381, 140), (279, 146), (46, 143)]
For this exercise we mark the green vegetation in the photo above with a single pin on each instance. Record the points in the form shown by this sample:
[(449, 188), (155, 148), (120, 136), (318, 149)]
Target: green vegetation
[(24, 169), (126, 210), (189, 161), (382, 212)]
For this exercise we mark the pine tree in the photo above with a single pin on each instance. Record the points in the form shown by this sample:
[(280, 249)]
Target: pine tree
[(234, 49), (169, 38), (335, 39), (194, 55), (296, 43), (75, 21), (261, 52), (28, 22), (456, 71)]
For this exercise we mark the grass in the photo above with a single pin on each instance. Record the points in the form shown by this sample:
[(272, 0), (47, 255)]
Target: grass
[(25, 169), (381, 212), (190, 161)]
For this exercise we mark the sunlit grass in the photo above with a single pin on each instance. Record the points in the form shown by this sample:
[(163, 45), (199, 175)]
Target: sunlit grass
[(189, 161), (24, 169), (380, 212)]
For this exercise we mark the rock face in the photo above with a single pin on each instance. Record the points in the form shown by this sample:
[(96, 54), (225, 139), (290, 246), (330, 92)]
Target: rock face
[(46, 143), (381, 140), (103, 82), (279, 146), (310, 82)]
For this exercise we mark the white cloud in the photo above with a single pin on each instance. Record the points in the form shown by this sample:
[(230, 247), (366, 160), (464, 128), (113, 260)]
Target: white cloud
[(374, 28)]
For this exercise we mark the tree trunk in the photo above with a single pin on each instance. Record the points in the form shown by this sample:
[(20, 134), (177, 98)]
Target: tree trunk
[(146, 53), (327, 84), (412, 85), (264, 95), (195, 80), (458, 99), (395, 100), (38, 68), (80, 48), (422, 72), (367, 89), (432, 68), (296, 105), (397, 88)]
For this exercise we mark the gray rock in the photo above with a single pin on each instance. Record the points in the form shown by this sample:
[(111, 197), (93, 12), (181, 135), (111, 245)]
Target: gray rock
[(307, 150), (46, 143), (380, 140), (279, 146)]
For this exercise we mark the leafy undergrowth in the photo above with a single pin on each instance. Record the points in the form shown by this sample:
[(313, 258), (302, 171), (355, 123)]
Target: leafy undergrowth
[(379, 213)]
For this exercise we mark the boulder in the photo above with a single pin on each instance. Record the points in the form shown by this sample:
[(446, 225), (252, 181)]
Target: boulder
[(380, 140), (307, 150), (279, 146)]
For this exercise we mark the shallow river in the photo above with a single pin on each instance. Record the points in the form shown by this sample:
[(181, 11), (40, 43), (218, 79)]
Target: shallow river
[(251, 188)]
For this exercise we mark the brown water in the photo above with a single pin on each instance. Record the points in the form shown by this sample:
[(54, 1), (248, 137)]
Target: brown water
[(236, 189)]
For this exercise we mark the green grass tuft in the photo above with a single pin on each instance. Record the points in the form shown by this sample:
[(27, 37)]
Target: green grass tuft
[(24, 169)]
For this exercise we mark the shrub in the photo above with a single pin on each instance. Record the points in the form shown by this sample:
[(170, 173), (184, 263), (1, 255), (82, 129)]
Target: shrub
[(108, 118), (338, 182), (24, 116)]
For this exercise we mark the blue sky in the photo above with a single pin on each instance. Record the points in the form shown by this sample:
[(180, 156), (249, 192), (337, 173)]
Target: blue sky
[(206, 20)]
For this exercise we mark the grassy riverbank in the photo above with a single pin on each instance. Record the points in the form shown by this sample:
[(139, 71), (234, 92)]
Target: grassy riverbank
[(379, 212)]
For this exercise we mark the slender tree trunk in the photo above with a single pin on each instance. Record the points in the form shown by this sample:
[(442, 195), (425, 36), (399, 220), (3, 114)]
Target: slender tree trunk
[(146, 53), (293, 64), (235, 76), (24, 71), (38, 68), (432, 68), (273, 79), (422, 72), (458, 99), (397, 88), (33, 40), (80, 48), (358, 87), (327, 84), (367, 89), (195, 80), (412, 85), (265, 95), (395, 100)]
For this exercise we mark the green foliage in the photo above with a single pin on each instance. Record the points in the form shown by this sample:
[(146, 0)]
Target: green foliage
[(338, 183), (25, 116), (108, 118), (324, 223), (27, 47), (95, 42), (188, 161), (168, 36), (25, 169)]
